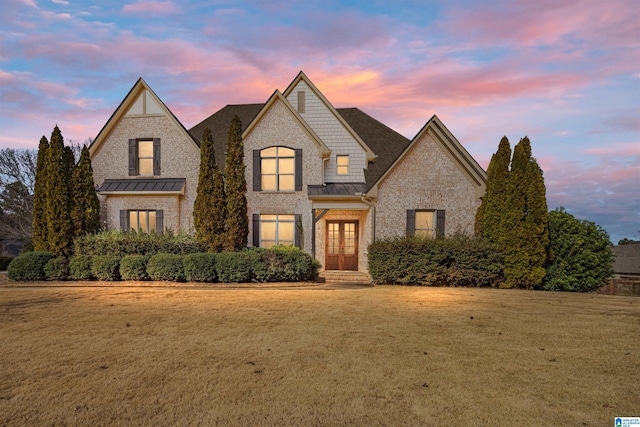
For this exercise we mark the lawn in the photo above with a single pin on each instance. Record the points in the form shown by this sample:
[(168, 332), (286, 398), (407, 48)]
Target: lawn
[(372, 356)]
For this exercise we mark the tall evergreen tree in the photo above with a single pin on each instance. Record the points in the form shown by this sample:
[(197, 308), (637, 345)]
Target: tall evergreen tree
[(40, 228), (237, 224), (210, 207), (85, 207), (488, 222), (526, 235), (59, 167)]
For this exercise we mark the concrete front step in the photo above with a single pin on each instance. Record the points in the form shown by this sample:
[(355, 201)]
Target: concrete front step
[(345, 276)]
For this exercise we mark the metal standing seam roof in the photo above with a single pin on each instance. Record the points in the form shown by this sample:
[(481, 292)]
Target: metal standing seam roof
[(337, 189), (150, 185)]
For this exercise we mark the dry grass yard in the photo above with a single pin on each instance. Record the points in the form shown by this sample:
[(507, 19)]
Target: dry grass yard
[(373, 356)]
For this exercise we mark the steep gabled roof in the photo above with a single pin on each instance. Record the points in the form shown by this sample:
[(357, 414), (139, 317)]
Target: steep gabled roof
[(371, 155), (451, 146), (277, 96), (124, 106), (384, 141), (218, 123)]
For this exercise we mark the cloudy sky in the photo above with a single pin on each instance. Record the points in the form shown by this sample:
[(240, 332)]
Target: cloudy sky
[(565, 73)]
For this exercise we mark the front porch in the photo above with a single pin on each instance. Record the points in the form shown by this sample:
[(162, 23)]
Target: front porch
[(341, 234)]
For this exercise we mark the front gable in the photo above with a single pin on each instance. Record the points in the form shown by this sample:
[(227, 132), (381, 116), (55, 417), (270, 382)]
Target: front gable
[(145, 161), (334, 131), (287, 115)]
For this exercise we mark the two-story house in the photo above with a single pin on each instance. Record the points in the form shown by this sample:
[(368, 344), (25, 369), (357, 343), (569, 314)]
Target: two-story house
[(328, 180)]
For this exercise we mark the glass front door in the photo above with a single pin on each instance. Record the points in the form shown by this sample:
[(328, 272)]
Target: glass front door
[(342, 245)]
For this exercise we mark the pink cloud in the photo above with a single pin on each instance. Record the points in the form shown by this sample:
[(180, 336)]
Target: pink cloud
[(158, 8)]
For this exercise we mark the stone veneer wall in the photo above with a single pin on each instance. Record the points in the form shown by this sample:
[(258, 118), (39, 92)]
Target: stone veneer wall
[(279, 128), (179, 158), (426, 179), (333, 134)]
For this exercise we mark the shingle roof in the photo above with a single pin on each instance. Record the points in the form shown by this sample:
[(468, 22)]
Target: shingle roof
[(386, 143), (337, 189), (151, 185), (218, 123), (627, 259)]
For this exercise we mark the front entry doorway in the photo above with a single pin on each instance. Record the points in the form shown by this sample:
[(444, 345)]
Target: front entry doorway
[(342, 245)]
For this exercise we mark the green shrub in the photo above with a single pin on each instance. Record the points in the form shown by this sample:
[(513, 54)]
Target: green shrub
[(4, 262), (166, 267), (200, 267), (105, 267), (29, 266), (80, 268), (134, 267), (233, 267), (455, 261), (282, 264), (120, 243), (57, 268), (580, 252)]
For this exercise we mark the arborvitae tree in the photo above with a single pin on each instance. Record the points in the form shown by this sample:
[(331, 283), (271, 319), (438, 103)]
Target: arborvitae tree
[(59, 167), (526, 234), (210, 207), (85, 207), (237, 224), (40, 228), (488, 218)]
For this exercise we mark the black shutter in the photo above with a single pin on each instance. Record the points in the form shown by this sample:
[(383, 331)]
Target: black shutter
[(257, 171), (124, 219), (133, 157), (411, 222), (440, 223), (256, 230), (156, 156), (297, 240), (160, 221), (298, 169)]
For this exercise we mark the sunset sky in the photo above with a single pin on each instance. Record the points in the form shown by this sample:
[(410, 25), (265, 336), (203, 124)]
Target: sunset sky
[(565, 73)]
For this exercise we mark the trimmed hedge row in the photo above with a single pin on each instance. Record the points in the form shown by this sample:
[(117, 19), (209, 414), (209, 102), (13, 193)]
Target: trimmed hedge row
[(456, 261), (118, 243), (278, 264)]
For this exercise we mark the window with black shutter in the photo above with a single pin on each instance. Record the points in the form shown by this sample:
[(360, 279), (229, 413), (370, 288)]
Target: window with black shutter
[(425, 222), (144, 157)]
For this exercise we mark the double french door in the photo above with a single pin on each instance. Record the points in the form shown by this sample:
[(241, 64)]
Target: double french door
[(341, 245)]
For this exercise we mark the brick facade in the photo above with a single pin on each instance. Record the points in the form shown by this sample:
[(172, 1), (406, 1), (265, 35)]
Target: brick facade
[(427, 178)]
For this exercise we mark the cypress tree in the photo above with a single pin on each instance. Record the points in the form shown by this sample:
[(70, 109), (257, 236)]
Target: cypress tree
[(59, 166), (210, 207), (526, 234), (488, 222), (40, 231), (85, 207), (237, 224)]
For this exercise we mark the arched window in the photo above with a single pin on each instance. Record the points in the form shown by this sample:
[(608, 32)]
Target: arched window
[(277, 167)]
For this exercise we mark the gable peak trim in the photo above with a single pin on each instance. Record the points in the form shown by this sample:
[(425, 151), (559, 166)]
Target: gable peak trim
[(120, 112), (278, 96), (371, 156)]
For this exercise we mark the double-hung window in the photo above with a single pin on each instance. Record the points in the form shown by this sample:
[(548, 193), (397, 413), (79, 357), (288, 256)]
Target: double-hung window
[(142, 221), (342, 165), (144, 157), (277, 169), (425, 222), (277, 230)]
